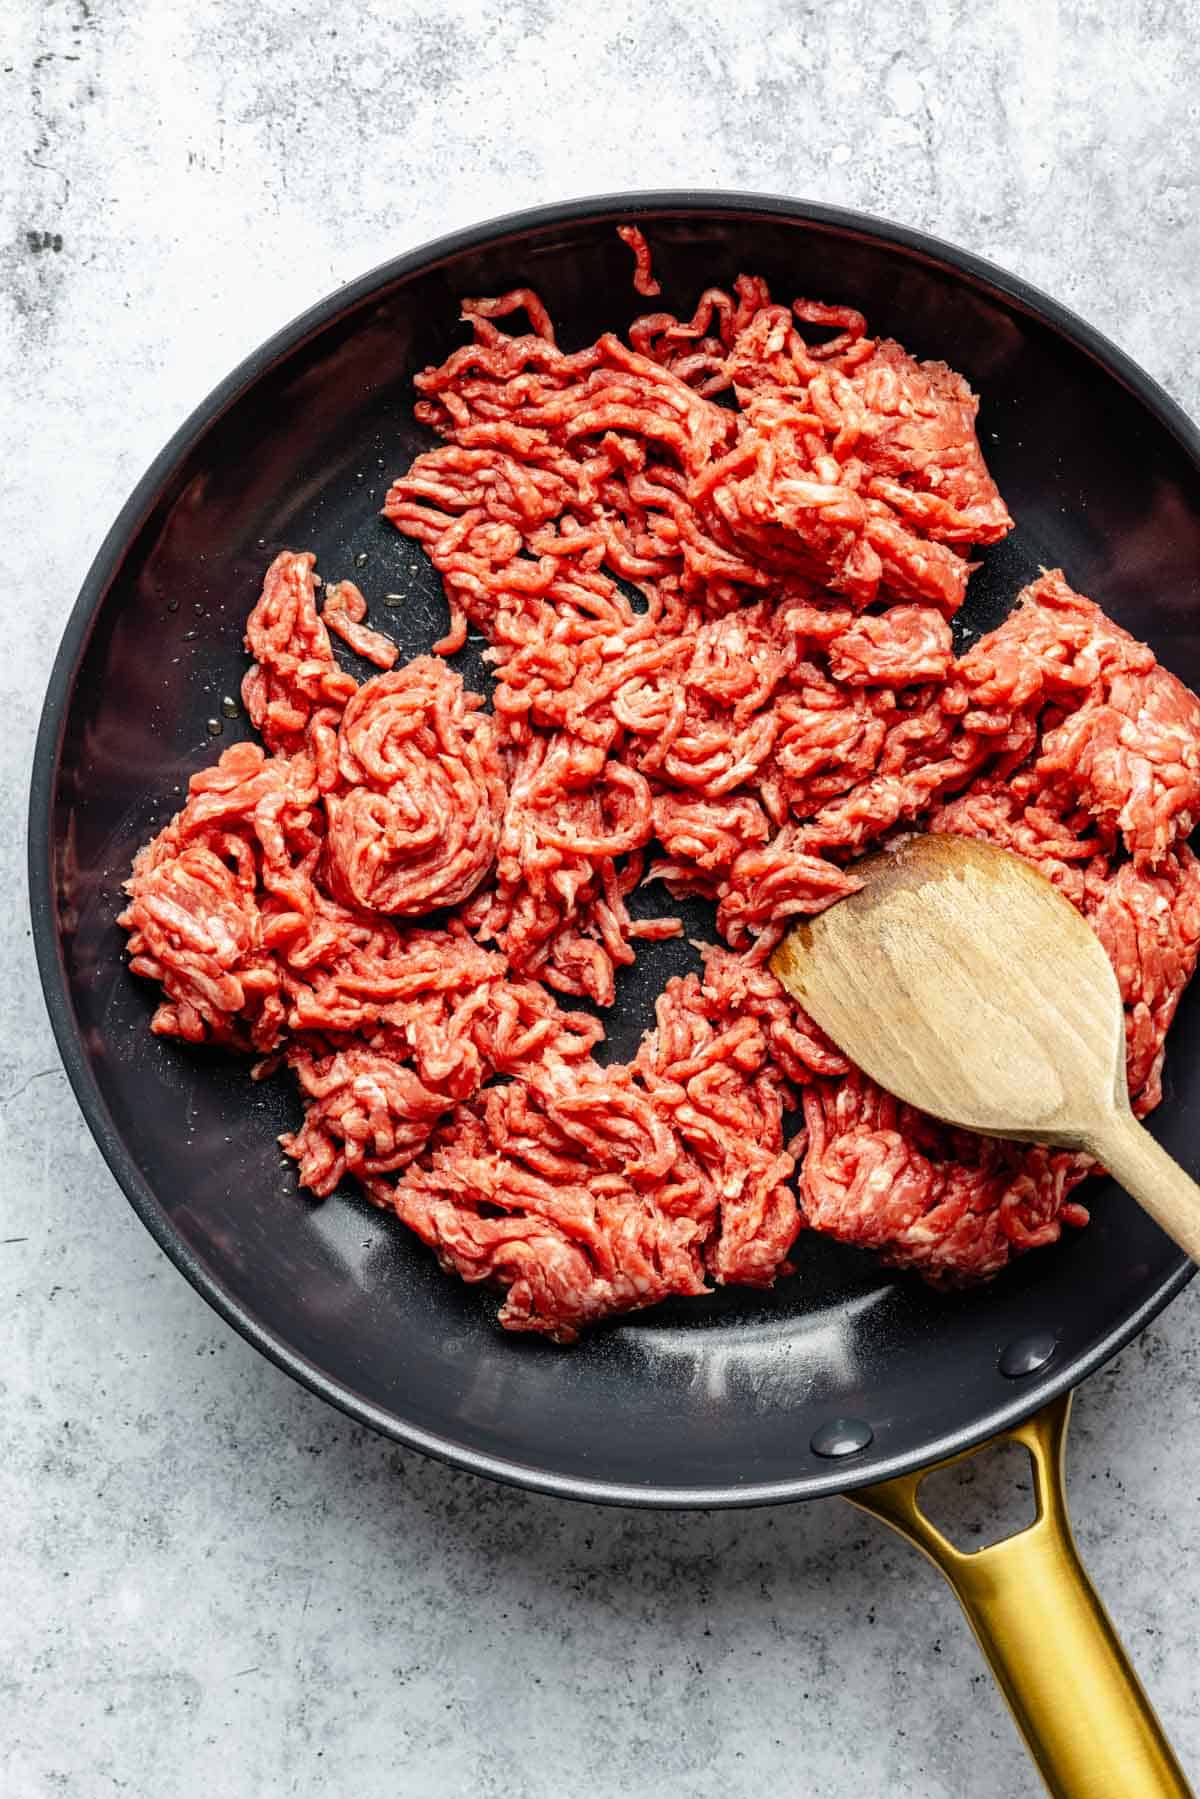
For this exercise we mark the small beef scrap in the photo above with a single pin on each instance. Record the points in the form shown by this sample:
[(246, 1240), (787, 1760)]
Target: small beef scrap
[(294, 681), (723, 662)]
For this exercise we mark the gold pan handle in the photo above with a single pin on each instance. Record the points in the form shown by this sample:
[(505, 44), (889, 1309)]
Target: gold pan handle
[(1048, 1640)]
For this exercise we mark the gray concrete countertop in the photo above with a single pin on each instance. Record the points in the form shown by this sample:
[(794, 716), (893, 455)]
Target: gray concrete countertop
[(210, 1584)]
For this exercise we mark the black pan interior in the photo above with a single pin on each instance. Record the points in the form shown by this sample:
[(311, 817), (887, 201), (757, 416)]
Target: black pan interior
[(703, 1402)]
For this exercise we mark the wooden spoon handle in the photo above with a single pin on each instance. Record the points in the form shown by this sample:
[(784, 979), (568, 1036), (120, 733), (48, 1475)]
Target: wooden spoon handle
[(1150, 1176)]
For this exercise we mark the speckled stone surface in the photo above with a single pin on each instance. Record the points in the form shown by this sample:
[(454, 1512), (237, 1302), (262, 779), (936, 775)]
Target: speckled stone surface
[(209, 1583)]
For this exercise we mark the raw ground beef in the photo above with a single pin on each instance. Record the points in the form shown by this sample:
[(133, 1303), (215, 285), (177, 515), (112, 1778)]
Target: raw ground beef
[(796, 510)]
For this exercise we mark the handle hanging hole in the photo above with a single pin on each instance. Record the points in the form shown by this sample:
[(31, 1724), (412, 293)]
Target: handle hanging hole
[(984, 1499)]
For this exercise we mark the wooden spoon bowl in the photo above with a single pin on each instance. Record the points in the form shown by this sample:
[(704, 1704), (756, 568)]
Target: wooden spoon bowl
[(963, 982)]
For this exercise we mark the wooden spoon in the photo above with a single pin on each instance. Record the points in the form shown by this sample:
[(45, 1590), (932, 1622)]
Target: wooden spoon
[(961, 981)]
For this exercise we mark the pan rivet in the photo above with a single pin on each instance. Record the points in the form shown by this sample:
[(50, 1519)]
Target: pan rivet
[(1025, 1355), (841, 1436)]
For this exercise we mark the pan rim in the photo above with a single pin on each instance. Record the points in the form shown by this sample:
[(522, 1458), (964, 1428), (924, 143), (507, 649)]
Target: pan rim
[(103, 571)]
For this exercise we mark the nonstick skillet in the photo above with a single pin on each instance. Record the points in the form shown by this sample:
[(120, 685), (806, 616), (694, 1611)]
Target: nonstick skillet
[(847, 1378)]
